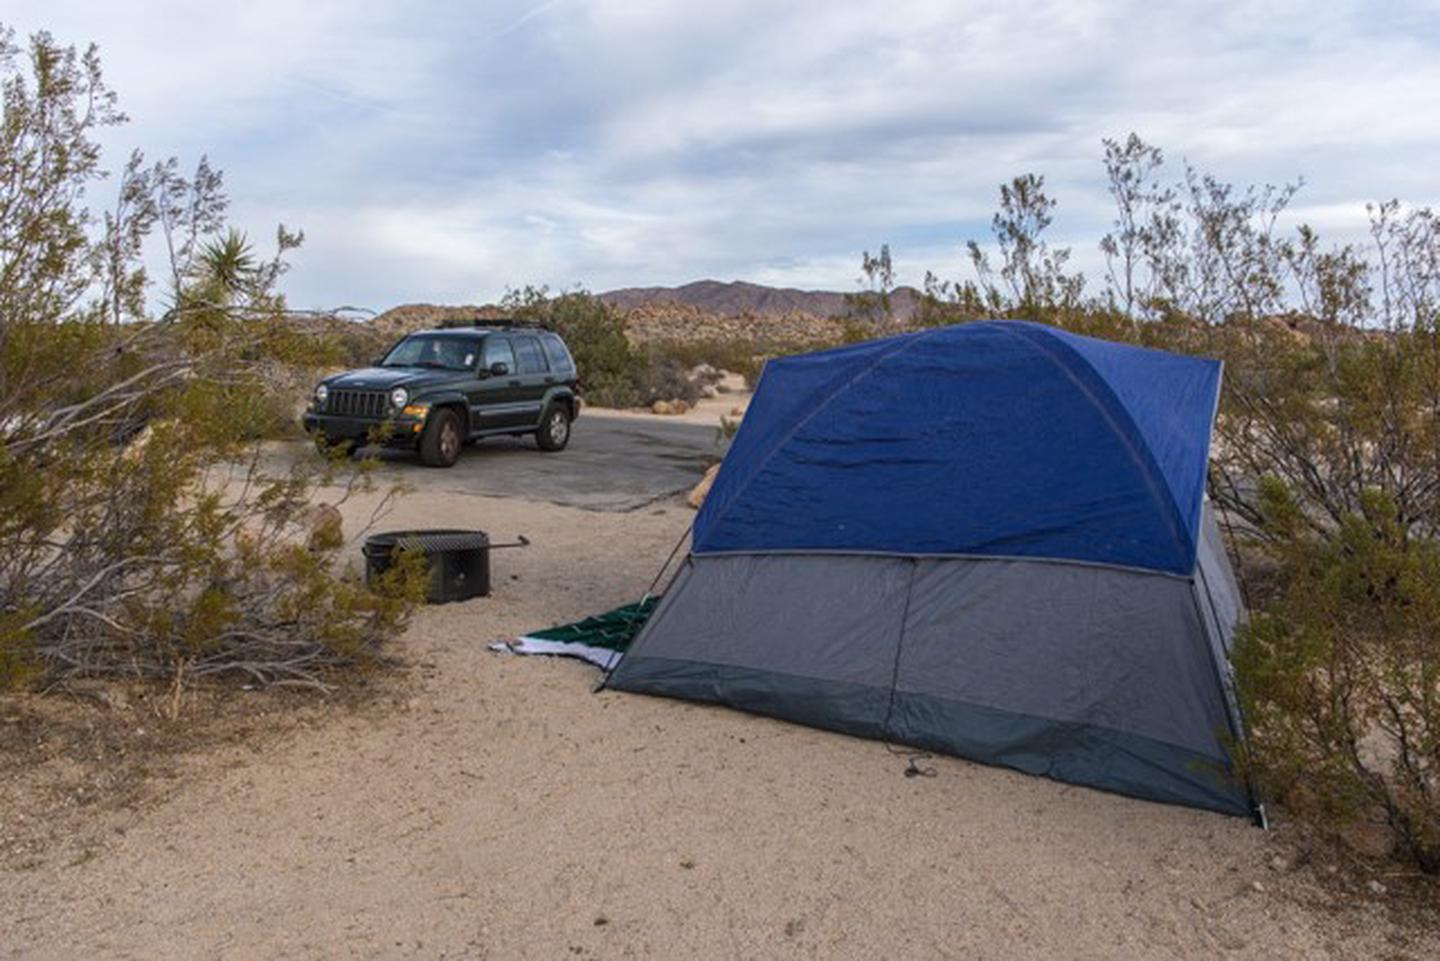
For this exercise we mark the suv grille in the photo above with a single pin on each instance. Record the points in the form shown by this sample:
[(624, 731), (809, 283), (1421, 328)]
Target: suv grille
[(357, 403)]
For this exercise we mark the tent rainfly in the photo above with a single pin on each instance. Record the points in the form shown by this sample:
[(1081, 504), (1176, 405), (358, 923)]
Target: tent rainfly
[(989, 540)]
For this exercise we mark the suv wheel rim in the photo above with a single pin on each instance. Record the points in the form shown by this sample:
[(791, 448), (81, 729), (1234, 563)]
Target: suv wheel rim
[(559, 427), (449, 441)]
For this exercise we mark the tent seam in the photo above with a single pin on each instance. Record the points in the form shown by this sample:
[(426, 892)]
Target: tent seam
[(1160, 490), (961, 556)]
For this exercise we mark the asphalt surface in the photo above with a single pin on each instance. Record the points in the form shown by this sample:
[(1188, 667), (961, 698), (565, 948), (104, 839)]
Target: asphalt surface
[(611, 464)]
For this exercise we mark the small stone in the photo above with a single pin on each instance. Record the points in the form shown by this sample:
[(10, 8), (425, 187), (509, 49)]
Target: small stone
[(1377, 889), (115, 699), (1279, 864), (1257, 887)]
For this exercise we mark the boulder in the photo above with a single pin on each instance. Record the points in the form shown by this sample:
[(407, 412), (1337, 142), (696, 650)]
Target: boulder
[(322, 525), (698, 494)]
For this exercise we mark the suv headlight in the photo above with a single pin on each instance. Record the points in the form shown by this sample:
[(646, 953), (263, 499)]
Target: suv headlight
[(398, 397), (322, 393)]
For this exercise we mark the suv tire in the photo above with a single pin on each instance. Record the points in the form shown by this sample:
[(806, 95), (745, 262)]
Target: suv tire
[(443, 439), (554, 432)]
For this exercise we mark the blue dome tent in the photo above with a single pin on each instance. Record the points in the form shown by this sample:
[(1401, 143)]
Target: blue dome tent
[(989, 540)]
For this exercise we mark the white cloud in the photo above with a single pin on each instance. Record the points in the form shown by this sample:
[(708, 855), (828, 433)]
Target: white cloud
[(437, 152)]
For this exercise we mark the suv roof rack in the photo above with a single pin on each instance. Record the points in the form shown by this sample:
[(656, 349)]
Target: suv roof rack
[(494, 323)]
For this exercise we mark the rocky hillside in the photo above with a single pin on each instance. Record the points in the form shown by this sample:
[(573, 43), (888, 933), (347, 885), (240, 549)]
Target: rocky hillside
[(704, 310), (399, 321), (651, 323), (739, 298)]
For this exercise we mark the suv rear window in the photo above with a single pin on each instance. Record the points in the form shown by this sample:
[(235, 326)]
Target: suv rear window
[(528, 354), (559, 356)]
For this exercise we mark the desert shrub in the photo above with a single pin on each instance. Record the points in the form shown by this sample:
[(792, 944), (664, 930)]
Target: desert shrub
[(141, 531), (1340, 678), (608, 365), (742, 356), (854, 331), (665, 378), (738, 356), (143, 534)]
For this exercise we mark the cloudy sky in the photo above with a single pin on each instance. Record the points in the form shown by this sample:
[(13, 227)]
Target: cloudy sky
[(441, 152)]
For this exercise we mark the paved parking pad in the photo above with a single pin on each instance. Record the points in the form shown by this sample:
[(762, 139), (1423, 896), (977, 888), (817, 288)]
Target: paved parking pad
[(611, 464)]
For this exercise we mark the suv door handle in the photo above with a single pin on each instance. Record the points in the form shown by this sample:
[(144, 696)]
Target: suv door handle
[(515, 383)]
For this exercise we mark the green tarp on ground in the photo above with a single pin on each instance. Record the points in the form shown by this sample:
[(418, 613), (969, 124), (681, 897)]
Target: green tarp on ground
[(600, 639)]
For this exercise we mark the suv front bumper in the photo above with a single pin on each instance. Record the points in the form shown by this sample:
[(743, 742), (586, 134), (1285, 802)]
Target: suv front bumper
[(405, 431)]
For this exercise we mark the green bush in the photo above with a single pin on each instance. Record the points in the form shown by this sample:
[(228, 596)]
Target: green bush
[(743, 357), (141, 533), (665, 378), (610, 368), (1340, 678)]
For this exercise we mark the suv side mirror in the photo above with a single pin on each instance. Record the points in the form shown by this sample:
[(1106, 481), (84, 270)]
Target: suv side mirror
[(499, 368)]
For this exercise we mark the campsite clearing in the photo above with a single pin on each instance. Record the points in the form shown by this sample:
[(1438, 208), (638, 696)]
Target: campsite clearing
[(490, 806)]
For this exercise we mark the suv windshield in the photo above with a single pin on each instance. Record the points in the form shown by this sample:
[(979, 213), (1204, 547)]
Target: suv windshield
[(427, 350)]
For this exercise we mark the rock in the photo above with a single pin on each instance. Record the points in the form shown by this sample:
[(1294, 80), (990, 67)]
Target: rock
[(1279, 864), (669, 407), (1376, 888), (102, 692), (114, 698), (698, 494), (1257, 887), (323, 526), (732, 384), (737, 412), (139, 442)]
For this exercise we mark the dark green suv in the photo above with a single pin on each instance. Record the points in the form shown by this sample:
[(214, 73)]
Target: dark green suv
[(437, 389)]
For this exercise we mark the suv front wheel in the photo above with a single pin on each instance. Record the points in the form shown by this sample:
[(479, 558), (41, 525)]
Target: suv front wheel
[(554, 432), (441, 442)]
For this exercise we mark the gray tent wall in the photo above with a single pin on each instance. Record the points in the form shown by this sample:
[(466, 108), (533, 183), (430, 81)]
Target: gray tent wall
[(1107, 677)]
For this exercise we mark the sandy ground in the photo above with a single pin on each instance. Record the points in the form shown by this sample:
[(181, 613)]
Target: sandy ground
[(501, 810)]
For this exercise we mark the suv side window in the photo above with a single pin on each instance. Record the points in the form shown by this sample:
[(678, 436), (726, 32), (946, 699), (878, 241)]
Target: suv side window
[(497, 350), (528, 353), (559, 356)]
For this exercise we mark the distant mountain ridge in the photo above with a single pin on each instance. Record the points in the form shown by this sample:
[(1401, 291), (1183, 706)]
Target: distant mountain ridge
[(741, 297)]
